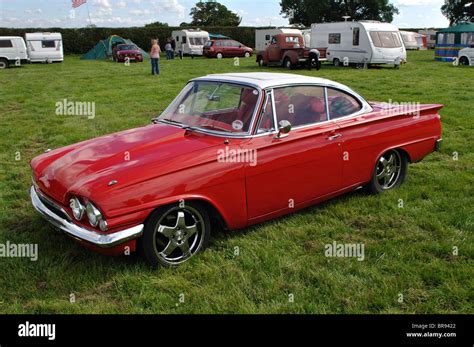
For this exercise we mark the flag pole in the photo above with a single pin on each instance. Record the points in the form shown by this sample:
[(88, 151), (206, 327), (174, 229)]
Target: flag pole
[(88, 12)]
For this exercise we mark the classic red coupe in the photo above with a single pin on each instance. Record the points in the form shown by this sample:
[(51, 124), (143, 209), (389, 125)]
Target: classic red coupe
[(123, 52), (230, 151)]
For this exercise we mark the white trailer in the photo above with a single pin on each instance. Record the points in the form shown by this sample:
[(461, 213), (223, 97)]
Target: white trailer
[(430, 37), (44, 47), (363, 42), (263, 37), (190, 41), (411, 40), (12, 51)]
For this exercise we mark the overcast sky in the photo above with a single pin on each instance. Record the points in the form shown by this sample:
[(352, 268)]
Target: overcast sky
[(120, 13)]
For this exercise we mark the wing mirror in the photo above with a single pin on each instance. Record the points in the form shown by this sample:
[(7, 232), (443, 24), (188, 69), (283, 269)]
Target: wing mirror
[(284, 127)]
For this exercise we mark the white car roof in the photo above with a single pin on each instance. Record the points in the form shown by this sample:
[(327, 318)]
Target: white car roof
[(267, 80)]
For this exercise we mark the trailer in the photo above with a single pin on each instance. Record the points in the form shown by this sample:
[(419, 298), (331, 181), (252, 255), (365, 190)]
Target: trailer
[(190, 41), (263, 37), (44, 47), (362, 42)]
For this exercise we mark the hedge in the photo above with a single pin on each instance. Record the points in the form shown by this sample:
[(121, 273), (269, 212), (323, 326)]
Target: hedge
[(80, 41)]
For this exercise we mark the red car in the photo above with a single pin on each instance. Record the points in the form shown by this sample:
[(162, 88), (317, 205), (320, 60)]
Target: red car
[(226, 49), (230, 151), (123, 52)]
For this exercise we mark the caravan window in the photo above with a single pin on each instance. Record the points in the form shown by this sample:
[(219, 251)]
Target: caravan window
[(6, 44), (48, 44), (184, 40), (385, 39), (355, 36), (334, 38)]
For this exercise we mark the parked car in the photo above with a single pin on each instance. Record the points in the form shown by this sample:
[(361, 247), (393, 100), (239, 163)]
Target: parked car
[(466, 56), (121, 52), (226, 49), (12, 51), (289, 50), (230, 151)]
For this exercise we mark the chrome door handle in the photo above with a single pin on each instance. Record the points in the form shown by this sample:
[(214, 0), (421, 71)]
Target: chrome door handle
[(333, 137)]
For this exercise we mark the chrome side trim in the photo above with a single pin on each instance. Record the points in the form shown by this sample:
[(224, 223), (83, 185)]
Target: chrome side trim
[(83, 234)]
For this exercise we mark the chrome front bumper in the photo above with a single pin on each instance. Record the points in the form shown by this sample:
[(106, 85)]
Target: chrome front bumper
[(80, 233)]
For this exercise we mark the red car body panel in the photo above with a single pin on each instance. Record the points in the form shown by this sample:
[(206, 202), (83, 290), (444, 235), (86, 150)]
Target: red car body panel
[(161, 164)]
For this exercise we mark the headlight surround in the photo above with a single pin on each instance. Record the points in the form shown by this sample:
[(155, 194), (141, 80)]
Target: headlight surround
[(93, 214), (77, 208)]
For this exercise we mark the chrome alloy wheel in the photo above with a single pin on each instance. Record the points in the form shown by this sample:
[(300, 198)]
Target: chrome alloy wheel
[(178, 235), (388, 170)]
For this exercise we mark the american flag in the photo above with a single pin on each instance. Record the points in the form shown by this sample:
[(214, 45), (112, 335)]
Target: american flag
[(77, 3)]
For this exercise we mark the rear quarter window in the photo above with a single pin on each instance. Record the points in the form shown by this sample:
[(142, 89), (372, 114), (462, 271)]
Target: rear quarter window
[(342, 104)]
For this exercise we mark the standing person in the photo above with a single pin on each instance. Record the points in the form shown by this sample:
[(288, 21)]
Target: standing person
[(155, 57), (168, 49), (173, 47)]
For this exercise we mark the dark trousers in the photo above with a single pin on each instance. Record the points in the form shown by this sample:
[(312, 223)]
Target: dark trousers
[(155, 66)]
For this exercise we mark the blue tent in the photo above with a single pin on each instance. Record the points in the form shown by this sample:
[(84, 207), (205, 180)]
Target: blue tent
[(103, 50)]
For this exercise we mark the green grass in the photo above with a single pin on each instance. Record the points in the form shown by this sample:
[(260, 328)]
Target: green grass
[(407, 250)]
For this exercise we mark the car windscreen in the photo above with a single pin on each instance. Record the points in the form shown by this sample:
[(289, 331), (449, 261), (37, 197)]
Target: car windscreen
[(127, 48), (385, 39), (211, 105)]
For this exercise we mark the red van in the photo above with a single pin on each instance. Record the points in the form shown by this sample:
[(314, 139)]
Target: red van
[(226, 48)]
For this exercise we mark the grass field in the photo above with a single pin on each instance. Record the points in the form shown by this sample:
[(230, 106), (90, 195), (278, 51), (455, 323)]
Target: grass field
[(281, 267)]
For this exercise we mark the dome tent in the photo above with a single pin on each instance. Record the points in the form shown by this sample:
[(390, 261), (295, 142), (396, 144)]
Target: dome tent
[(451, 40), (103, 49)]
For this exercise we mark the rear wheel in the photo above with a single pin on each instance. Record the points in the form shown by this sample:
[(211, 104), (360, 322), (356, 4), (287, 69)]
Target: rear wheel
[(219, 56), (174, 234), (3, 64), (463, 61), (287, 63), (247, 55), (389, 172)]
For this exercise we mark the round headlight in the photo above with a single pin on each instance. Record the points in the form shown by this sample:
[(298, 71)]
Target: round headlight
[(93, 214), (77, 208)]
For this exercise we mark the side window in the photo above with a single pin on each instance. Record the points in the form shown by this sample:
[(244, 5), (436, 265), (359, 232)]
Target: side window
[(266, 122), (300, 105), (334, 38), (6, 44), (355, 36), (267, 37), (184, 39), (274, 41), (342, 104)]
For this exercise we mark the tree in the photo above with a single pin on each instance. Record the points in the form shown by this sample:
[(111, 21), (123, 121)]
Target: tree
[(212, 13), (458, 11), (157, 24), (306, 12)]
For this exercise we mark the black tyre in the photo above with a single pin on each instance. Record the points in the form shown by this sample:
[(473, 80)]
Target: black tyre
[(287, 63), (336, 62), (389, 172), (463, 61), (173, 234), (3, 64)]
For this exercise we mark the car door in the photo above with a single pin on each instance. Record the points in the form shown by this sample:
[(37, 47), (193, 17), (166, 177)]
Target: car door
[(289, 171), (274, 51)]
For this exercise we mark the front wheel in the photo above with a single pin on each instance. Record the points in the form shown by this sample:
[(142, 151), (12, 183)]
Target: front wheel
[(389, 172), (175, 233)]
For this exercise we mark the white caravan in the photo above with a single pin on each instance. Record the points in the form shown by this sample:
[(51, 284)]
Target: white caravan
[(412, 40), (45, 47), (12, 51), (430, 37), (263, 37), (190, 41), (363, 42)]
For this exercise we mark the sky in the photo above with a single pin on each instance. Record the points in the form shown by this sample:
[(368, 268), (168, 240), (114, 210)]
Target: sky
[(124, 13)]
